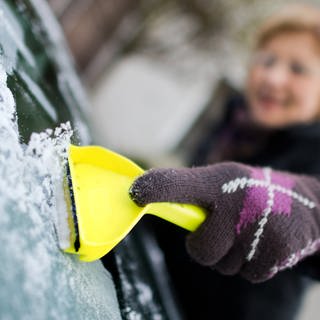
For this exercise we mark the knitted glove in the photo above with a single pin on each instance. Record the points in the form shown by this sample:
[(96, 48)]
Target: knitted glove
[(259, 221)]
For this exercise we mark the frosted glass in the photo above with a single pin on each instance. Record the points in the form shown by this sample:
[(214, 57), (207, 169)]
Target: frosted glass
[(38, 280)]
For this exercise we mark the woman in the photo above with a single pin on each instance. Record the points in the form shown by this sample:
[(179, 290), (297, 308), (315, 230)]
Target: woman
[(263, 226)]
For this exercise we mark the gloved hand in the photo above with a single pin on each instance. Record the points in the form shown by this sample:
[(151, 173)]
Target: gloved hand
[(259, 221)]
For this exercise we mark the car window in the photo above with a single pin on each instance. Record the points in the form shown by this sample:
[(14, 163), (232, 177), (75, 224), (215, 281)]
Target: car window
[(41, 104)]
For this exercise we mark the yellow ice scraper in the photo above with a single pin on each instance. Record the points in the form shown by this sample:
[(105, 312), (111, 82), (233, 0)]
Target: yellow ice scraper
[(101, 212)]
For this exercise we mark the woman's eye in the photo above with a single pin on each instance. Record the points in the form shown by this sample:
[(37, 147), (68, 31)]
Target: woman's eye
[(269, 61), (265, 60), (298, 69)]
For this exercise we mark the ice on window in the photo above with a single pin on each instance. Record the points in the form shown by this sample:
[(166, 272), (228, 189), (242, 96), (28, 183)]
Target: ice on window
[(38, 280)]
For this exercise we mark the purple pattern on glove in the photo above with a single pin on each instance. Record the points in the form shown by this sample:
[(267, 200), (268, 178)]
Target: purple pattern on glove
[(294, 258), (265, 186)]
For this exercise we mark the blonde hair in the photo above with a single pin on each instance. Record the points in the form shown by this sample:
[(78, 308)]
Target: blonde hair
[(293, 18)]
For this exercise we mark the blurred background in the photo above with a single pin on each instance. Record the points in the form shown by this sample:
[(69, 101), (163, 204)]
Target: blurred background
[(154, 68)]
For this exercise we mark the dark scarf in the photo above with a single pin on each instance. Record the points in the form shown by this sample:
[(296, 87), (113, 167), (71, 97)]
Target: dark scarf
[(295, 148)]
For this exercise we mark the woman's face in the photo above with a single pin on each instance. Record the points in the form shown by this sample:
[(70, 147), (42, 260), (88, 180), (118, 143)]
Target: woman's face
[(283, 85)]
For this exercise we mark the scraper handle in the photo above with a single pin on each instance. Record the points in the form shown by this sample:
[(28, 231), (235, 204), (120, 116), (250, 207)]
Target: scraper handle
[(187, 216)]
